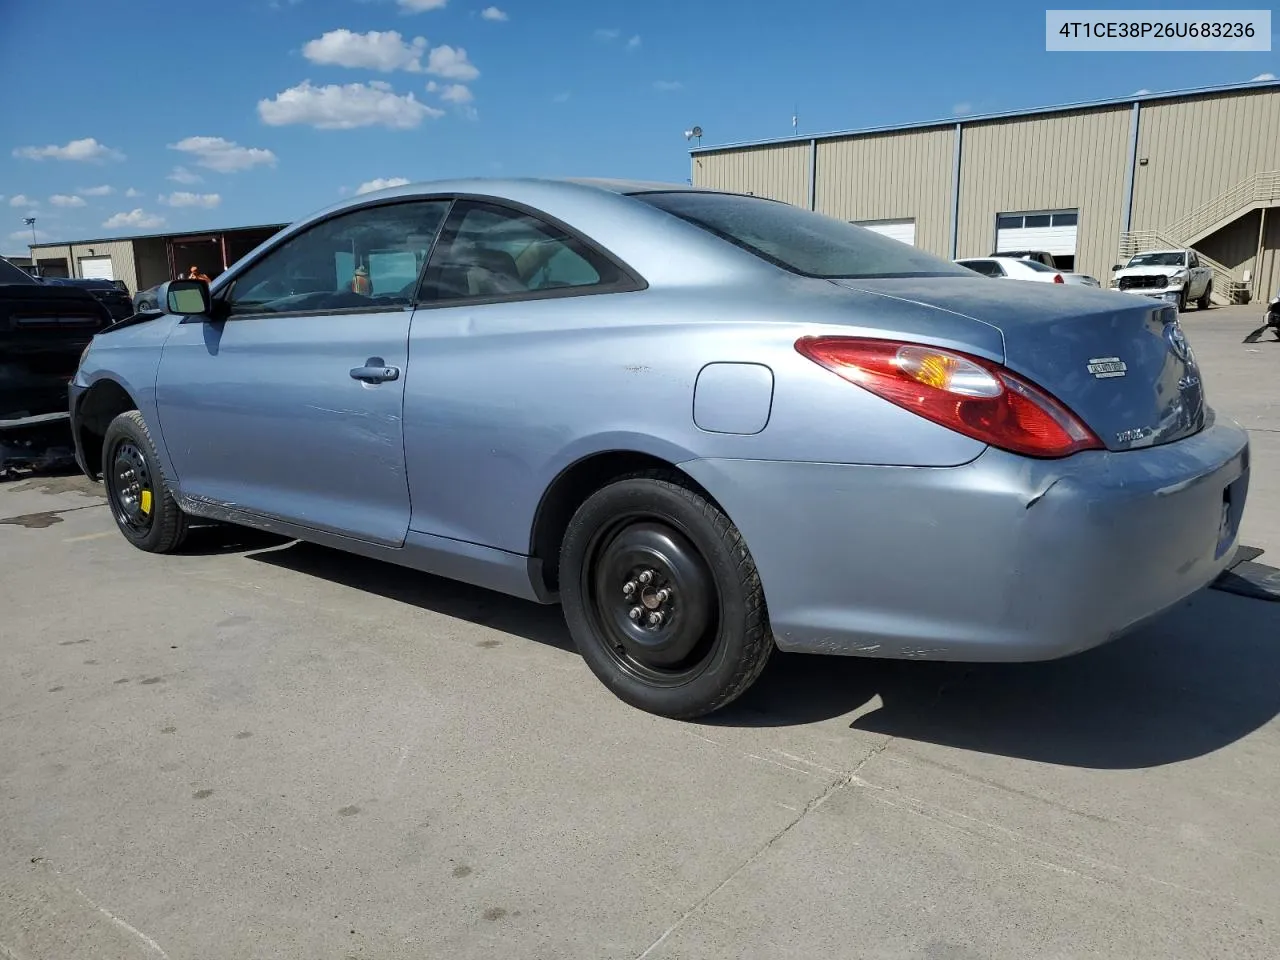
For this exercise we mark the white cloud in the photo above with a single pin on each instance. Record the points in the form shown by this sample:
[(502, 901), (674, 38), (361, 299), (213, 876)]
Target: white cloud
[(611, 33), (22, 200), (634, 42), (432, 86), (182, 198), (102, 191), (334, 107), (1140, 93), (451, 62), (225, 156), (1265, 76), (184, 176), (87, 149), (385, 51), (418, 6), (562, 97), (24, 236), (63, 200), (457, 93), (131, 193), (667, 85), (493, 13), (380, 183), (962, 109), (134, 218)]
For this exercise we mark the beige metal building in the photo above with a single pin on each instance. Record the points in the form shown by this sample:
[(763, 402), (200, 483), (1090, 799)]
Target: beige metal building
[(1091, 183), (144, 261)]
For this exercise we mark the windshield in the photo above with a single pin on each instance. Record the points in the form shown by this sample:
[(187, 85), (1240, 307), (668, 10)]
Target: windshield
[(798, 240), (11, 274), (1173, 259)]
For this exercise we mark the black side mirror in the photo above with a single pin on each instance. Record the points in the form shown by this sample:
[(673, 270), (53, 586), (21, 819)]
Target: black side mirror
[(186, 298)]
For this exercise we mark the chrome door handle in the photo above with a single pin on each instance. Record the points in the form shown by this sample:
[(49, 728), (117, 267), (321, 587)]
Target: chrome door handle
[(375, 370)]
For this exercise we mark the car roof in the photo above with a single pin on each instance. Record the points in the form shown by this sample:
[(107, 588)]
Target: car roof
[(637, 233)]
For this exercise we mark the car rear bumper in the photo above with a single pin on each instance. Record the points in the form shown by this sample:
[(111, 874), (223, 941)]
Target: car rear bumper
[(1003, 559)]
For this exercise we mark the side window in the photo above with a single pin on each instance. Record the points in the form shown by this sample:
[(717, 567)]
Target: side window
[(368, 259), (488, 251), (1195, 261), (988, 268)]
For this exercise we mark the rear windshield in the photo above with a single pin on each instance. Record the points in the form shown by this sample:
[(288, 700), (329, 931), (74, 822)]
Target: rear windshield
[(11, 274), (1037, 265), (798, 240)]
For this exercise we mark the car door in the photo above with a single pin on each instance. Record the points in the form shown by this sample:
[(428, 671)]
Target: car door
[(1198, 278), (500, 366), (288, 402)]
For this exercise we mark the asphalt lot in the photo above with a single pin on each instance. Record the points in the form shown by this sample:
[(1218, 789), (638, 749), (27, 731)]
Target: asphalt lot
[(264, 749)]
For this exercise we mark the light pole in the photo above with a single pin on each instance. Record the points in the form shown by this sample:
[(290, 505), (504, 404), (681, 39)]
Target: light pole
[(31, 222)]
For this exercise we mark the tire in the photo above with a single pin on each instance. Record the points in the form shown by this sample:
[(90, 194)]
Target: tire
[(715, 640), (1182, 300), (141, 505), (1203, 302)]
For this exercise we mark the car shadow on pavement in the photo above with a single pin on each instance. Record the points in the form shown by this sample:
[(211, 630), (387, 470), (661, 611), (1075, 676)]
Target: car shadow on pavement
[(521, 618), (1194, 681), (1199, 678)]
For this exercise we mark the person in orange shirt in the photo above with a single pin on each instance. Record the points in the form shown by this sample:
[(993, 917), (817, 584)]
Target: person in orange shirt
[(195, 274), (360, 283)]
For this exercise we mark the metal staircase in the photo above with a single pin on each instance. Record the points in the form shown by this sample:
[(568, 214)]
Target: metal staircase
[(1259, 190)]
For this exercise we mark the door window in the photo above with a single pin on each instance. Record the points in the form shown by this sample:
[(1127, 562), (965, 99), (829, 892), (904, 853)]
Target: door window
[(490, 252), (368, 259)]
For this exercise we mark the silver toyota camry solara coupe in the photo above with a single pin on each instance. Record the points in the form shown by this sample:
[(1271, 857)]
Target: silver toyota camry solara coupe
[(707, 424)]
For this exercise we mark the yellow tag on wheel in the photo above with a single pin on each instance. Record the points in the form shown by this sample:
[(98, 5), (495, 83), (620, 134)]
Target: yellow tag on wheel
[(145, 501)]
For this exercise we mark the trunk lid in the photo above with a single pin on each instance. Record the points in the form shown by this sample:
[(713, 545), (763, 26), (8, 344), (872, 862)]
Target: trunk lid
[(1120, 362)]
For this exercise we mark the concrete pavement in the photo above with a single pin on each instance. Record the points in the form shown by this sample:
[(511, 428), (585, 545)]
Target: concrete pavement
[(263, 749)]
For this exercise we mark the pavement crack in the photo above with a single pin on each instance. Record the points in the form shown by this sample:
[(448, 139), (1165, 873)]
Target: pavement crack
[(831, 789)]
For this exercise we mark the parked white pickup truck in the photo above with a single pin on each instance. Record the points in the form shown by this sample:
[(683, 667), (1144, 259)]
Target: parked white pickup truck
[(1173, 275)]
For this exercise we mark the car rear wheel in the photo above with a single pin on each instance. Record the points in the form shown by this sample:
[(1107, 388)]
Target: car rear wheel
[(141, 505), (662, 597)]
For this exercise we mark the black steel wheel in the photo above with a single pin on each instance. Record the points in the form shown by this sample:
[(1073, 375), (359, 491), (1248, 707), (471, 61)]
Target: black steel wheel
[(130, 488), (662, 597), (141, 505)]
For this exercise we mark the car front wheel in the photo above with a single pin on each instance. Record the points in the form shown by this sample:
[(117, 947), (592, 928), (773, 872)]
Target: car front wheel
[(140, 503), (662, 597), (1203, 302)]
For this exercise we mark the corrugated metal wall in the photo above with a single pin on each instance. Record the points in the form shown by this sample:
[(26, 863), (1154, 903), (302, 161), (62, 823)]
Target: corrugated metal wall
[(1197, 149), (778, 172), (1234, 246), (152, 258), (121, 254), (1267, 283), (60, 253), (889, 177), (1071, 160)]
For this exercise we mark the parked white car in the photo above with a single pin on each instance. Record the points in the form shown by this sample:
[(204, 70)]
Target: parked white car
[(1177, 276), (1016, 268)]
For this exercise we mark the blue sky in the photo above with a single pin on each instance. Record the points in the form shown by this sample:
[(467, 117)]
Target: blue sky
[(143, 116)]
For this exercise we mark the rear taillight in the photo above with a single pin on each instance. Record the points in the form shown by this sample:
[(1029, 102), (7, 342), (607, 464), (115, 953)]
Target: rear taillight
[(967, 394), (1057, 278)]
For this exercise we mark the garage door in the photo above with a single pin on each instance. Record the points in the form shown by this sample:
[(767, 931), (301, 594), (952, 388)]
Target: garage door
[(1053, 231), (96, 268), (903, 231)]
